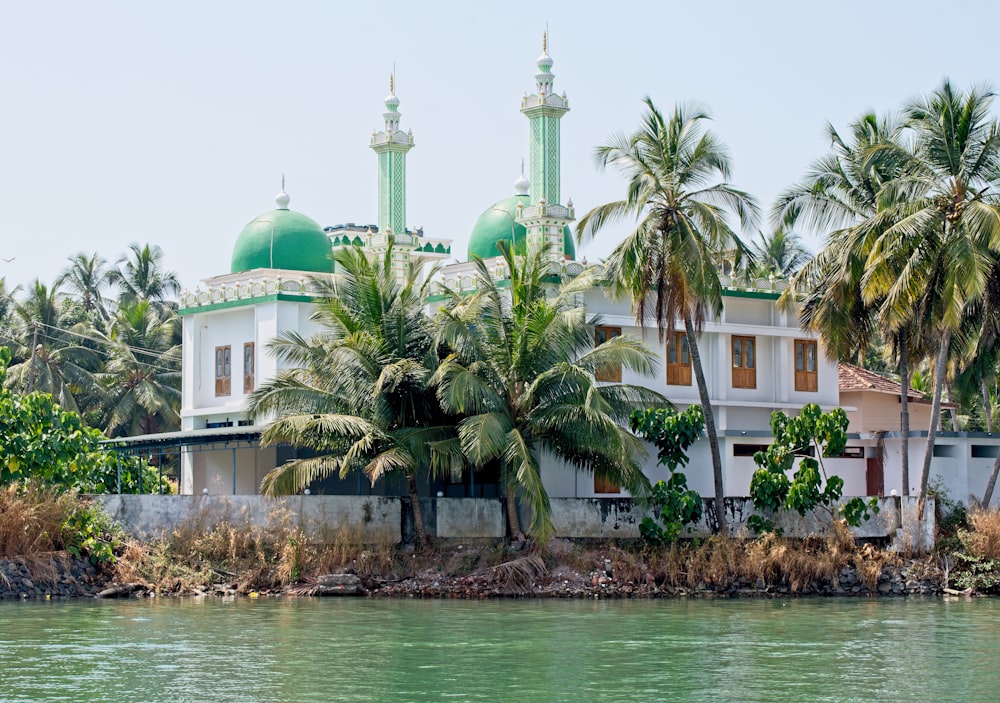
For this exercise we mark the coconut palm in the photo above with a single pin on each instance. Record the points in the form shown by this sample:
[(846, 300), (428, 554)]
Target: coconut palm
[(840, 196), (680, 199), (7, 305), (139, 275), (360, 394), (49, 340), (935, 260), (779, 254), (142, 371), (522, 371), (980, 373), (86, 278)]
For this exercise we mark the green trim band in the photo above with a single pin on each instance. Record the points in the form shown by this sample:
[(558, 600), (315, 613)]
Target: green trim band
[(243, 302)]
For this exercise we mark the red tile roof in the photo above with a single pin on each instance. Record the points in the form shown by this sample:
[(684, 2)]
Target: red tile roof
[(855, 378)]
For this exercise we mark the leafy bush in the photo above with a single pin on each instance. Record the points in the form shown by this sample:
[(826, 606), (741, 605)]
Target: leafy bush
[(981, 575), (39, 441), (675, 506), (950, 515), (37, 519), (772, 491), (673, 503), (89, 532)]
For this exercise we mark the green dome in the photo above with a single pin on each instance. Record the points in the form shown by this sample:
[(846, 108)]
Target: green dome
[(282, 239), (494, 226)]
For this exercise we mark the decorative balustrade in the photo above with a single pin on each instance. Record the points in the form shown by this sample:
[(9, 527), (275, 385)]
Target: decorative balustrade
[(249, 286), (462, 278)]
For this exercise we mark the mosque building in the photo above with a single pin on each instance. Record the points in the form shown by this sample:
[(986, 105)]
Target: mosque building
[(756, 357)]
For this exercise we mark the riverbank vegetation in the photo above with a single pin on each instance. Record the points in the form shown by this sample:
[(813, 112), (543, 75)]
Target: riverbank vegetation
[(103, 339), (907, 281), (41, 529)]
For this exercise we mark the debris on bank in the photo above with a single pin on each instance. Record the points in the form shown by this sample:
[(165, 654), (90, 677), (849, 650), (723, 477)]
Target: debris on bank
[(561, 572)]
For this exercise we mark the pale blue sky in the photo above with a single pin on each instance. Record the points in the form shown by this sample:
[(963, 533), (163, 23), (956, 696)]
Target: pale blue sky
[(172, 123)]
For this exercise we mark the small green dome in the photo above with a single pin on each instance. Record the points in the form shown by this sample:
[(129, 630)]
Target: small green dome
[(495, 223), (282, 239)]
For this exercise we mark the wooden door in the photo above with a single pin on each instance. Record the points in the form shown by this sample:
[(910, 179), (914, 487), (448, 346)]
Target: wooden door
[(874, 477)]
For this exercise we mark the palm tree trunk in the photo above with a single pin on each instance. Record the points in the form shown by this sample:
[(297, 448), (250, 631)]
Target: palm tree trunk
[(953, 411), (991, 484), (510, 502), (513, 520), (904, 413), (987, 406), (418, 515), (713, 437), (940, 368)]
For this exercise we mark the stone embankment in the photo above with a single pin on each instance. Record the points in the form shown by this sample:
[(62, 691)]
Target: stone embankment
[(66, 577), (60, 576), (891, 581)]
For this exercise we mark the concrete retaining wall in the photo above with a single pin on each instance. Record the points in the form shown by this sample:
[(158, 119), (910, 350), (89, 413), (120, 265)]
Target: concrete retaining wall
[(378, 518), (375, 518)]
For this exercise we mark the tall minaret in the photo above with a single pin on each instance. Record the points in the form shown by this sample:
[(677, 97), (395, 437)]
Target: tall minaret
[(545, 217), (391, 146)]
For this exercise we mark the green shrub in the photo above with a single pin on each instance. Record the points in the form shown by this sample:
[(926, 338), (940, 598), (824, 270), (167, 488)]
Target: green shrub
[(809, 488), (675, 506), (673, 503), (41, 442), (89, 532)]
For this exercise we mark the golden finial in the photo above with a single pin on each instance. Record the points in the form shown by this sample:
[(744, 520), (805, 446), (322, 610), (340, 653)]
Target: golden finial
[(392, 88), (545, 42)]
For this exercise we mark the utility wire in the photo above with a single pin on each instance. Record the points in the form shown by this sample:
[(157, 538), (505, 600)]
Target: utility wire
[(109, 343)]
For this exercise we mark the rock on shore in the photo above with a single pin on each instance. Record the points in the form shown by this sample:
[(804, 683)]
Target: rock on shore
[(56, 576)]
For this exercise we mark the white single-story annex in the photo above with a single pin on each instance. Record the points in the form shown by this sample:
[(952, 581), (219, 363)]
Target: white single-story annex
[(756, 357)]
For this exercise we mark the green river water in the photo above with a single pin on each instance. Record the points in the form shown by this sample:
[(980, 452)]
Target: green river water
[(301, 650)]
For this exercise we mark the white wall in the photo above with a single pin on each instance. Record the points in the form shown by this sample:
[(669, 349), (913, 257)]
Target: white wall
[(233, 327), (214, 470)]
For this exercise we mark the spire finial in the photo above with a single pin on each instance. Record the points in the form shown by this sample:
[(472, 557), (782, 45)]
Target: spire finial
[(392, 81), (522, 185), (283, 177), (544, 63), (282, 199)]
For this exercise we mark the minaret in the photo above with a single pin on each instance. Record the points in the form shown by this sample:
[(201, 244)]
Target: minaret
[(391, 145), (545, 217)]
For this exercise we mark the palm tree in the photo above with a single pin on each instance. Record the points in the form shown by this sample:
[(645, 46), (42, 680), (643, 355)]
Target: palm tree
[(50, 342), (7, 304), (522, 371), (778, 255), (139, 275), (679, 197), (360, 394), (86, 278), (840, 196), (982, 370), (935, 260), (142, 371)]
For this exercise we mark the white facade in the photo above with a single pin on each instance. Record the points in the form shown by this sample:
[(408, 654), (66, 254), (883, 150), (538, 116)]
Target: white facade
[(252, 307), (742, 414), (246, 309)]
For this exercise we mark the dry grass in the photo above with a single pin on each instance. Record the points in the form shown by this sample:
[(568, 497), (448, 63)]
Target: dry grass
[(868, 563), (34, 530), (983, 540), (769, 560), (31, 520), (517, 576), (234, 551), (626, 565)]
